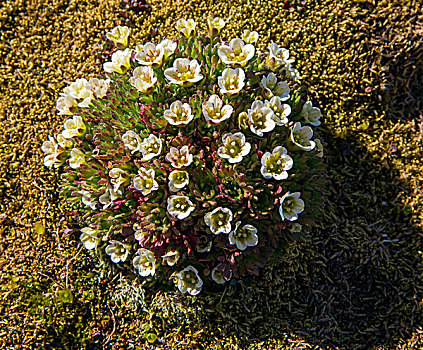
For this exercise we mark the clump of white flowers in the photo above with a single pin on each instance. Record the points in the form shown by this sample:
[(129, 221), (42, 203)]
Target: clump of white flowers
[(191, 159)]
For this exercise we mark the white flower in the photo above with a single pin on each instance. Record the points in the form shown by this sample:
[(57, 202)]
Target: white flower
[(292, 73), (99, 86), (121, 62), (178, 179), (151, 55), (215, 23), (319, 147), (234, 147), (74, 127), (280, 54), (179, 158), (117, 251), (311, 114), (89, 237), (231, 81), (260, 118), (150, 147), (250, 37), (65, 104), (87, 199), (109, 196), (119, 35), (280, 111), (184, 72), (274, 88), (118, 178), (168, 47), (217, 275), (139, 232), (171, 257), (214, 111), (77, 158), (145, 181), (179, 114), (300, 137), (204, 247), (80, 89), (219, 220), (180, 206), (132, 141), (145, 262), (237, 53), (143, 79), (290, 206), (64, 143), (189, 281), (54, 155), (276, 164), (186, 27), (243, 237)]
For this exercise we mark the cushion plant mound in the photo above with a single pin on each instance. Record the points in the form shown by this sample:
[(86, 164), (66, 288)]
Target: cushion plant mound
[(194, 160)]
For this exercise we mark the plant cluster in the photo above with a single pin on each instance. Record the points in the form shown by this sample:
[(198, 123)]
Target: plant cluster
[(193, 159)]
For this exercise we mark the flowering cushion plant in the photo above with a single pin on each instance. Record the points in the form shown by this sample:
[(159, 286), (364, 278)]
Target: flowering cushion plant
[(192, 160)]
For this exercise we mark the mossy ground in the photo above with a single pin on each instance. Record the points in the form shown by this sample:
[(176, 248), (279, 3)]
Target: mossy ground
[(355, 282)]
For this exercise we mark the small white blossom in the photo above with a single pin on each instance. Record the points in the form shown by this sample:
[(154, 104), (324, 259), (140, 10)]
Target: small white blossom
[(301, 135), (234, 147), (214, 111), (319, 147), (171, 257), (168, 47), (87, 199), (118, 178), (186, 27), (231, 81), (143, 79), (243, 237), (151, 147), (218, 275), (66, 105), (145, 262), (151, 55), (77, 158), (118, 251), (119, 35), (178, 179), (260, 118), (139, 232), (109, 196), (311, 114), (132, 141), (215, 23), (184, 72), (74, 127), (54, 155), (89, 237), (80, 89), (237, 53), (274, 88), (280, 111), (64, 143), (180, 206), (250, 37), (189, 281), (219, 220), (121, 62), (290, 206), (145, 181), (99, 86), (179, 114), (280, 54), (204, 247), (292, 73), (276, 164), (179, 158)]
